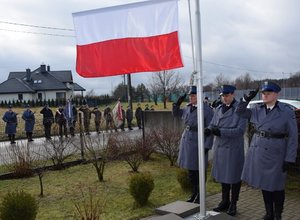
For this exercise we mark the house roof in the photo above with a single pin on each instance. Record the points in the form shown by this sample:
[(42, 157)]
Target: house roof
[(15, 86), (78, 87), (39, 80)]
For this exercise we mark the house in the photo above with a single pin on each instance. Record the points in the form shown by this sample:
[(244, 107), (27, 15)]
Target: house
[(39, 85)]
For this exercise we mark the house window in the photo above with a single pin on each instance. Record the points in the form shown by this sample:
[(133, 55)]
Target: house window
[(40, 96), (20, 97), (60, 95)]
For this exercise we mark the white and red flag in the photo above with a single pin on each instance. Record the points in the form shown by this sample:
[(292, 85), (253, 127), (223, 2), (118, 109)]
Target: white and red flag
[(137, 37), (117, 114)]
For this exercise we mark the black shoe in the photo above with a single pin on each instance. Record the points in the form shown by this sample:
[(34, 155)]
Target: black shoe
[(232, 209), (12, 142), (130, 128), (268, 217), (192, 199), (30, 140), (222, 207)]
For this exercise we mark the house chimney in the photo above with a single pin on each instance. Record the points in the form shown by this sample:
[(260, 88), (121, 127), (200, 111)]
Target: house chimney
[(43, 68), (48, 68), (28, 75)]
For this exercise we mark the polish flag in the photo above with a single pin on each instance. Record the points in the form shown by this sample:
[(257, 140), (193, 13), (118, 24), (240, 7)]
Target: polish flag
[(137, 37)]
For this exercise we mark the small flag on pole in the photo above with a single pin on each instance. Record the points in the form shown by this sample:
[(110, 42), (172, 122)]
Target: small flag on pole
[(137, 37)]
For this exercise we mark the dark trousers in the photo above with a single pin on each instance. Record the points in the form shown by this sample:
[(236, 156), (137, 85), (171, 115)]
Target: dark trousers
[(129, 124), (47, 127), (97, 126), (235, 192), (11, 137), (29, 136), (62, 129), (273, 200)]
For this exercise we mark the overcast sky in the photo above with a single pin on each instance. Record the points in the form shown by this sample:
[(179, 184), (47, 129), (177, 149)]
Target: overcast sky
[(260, 37)]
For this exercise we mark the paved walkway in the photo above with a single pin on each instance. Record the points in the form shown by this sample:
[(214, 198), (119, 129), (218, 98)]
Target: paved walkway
[(251, 206)]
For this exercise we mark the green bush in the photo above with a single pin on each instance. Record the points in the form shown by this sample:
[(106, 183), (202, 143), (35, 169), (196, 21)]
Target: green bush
[(140, 187), (182, 176), (18, 206)]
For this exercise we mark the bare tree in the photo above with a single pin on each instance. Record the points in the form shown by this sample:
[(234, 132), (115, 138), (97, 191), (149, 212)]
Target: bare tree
[(97, 153), (167, 142), (165, 82), (221, 80)]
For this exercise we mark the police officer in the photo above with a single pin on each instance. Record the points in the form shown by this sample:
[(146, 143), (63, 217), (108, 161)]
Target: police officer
[(10, 117), (97, 118), (188, 150), (86, 117), (273, 146), (228, 160), (61, 120), (139, 115), (129, 117), (48, 120), (29, 118)]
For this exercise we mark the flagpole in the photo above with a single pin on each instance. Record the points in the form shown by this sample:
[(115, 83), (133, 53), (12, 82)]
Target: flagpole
[(200, 111)]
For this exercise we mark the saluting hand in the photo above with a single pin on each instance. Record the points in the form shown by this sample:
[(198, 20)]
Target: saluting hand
[(216, 131), (251, 95), (181, 99)]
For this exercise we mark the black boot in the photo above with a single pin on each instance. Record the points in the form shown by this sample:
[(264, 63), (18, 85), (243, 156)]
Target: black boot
[(224, 204), (278, 211), (30, 136), (269, 212), (235, 192)]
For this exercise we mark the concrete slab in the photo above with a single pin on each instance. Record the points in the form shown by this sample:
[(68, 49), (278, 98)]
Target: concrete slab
[(180, 208), (213, 216), (170, 216)]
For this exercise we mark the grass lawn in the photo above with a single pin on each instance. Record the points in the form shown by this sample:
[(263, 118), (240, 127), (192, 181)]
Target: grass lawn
[(63, 188)]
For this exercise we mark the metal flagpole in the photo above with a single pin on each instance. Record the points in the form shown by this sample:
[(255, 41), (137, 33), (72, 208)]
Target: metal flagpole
[(200, 110)]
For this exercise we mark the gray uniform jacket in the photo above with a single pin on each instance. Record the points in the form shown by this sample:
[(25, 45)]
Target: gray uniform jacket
[(29, 118), (265, 157), (11, 122), (228, 159), (188, 149)]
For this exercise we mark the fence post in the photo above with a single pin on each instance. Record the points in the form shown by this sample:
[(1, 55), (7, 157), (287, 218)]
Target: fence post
[(81, 135)]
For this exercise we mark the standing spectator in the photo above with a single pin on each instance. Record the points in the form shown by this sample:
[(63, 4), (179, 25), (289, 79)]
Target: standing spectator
[(10, 117), (48, 120), (109, 122), (61, 120), (188, 150), (139, 115), (70, 113), (273, 146), (86, 117), (97, 118), (129, 117), (228, 129), (29, 118)]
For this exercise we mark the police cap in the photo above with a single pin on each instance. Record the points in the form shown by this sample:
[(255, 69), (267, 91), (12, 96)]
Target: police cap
[(227, 89), (270, 87), (193, 90)]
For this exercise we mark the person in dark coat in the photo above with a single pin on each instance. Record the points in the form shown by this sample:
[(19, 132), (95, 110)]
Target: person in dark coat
[(29, 118), (139, 115), (188, 149), (97, 118), (228, 129), (10, 117), (48, 120), (273, 146), (70, 113), (61, 121), (129, 117), (86, 117)]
